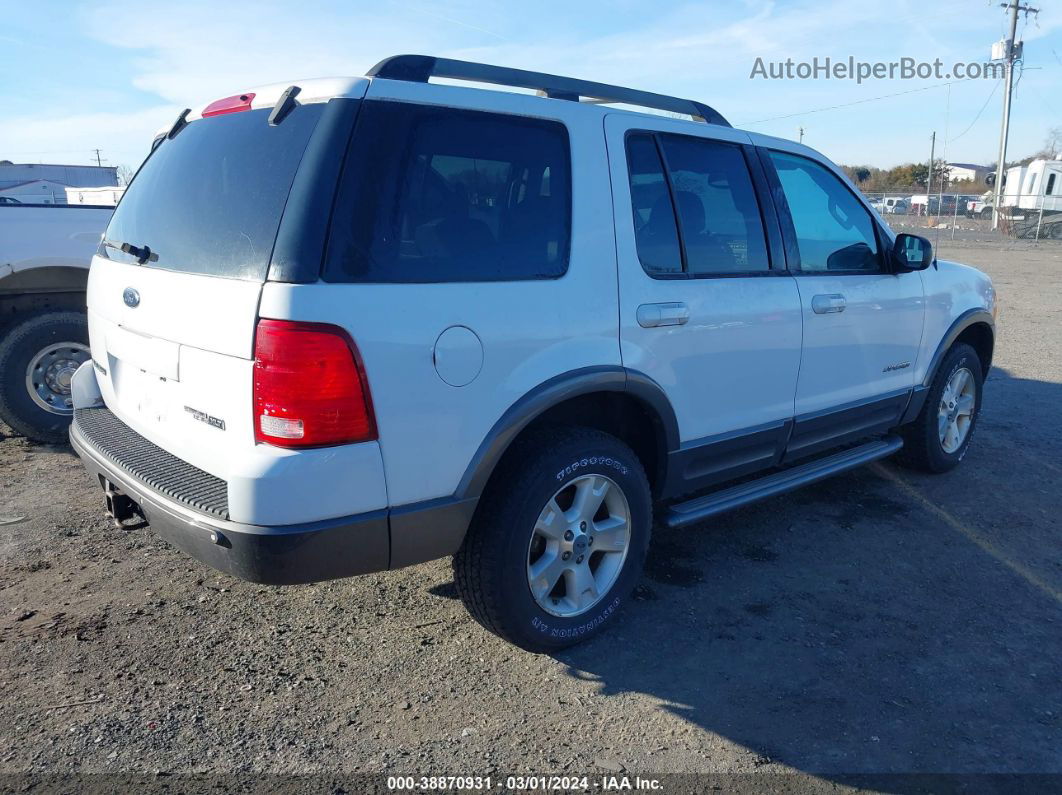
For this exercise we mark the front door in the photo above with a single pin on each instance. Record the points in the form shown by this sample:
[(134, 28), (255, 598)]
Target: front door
[(707, 309), (862, 323)]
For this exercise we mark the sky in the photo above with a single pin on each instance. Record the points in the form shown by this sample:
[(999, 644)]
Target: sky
[(107, 74)]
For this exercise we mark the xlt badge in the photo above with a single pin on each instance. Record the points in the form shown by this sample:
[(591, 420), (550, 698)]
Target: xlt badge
[(202, 416)]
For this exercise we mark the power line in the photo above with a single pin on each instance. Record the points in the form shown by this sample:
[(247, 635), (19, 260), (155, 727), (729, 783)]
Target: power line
[(978, 116), (856, 102)]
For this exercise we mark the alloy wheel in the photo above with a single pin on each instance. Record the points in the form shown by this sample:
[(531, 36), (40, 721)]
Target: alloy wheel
[(956, 411), (579, 545)]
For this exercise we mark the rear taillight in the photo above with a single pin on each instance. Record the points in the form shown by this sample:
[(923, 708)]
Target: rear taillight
[(309, 386), (232, 104)]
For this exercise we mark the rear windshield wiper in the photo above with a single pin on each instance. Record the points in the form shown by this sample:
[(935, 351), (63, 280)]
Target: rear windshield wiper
[(143, 254)]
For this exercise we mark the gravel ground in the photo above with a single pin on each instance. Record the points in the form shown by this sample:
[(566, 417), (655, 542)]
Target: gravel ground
[(881, 622)]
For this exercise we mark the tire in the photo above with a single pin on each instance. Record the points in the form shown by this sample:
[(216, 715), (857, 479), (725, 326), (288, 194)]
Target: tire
[(57, 342), (493, 568), (923, 446)]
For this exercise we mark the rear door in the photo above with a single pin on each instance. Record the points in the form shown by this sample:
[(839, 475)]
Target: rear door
[(172, 316), (707, 308), (862, 323)]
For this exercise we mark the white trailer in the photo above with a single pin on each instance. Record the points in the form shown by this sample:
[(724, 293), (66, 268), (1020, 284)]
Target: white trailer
[(1032, 199)]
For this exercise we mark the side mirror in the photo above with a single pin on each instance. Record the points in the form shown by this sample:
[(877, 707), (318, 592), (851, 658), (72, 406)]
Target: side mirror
[(912, 253)]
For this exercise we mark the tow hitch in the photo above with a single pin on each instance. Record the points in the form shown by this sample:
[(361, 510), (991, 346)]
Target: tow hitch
[(119, 506)]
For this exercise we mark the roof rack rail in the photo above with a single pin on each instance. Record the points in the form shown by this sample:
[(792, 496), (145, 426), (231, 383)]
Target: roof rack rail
[(419, 68)]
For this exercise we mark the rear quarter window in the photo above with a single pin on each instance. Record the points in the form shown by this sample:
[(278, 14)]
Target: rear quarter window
[(434, 194), (210, 199)]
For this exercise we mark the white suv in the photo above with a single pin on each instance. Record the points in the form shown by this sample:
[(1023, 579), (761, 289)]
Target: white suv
[(357, 324)]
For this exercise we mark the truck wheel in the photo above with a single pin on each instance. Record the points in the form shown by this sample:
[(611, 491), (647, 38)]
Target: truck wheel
[(559, 539), (38, 358), (938, 440)]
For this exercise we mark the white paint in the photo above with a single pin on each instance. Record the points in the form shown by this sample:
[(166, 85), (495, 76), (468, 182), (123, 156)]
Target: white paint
[(736, 363)]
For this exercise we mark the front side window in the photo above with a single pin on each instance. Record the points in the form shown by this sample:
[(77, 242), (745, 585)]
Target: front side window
[(701, 217), (1050, 185), (834, 231), (434, 194)]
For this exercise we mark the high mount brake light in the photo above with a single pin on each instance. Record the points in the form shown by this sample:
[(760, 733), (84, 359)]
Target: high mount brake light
[(231, 104), (309, 386)]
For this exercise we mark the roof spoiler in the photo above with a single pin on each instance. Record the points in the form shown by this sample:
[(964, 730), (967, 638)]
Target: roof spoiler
[(419, 68)]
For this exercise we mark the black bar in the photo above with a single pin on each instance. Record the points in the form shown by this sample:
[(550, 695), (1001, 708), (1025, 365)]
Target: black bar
[(419, 68)]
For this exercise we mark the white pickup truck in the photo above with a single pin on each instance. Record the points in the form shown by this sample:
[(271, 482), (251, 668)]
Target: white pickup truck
[(45, 251)]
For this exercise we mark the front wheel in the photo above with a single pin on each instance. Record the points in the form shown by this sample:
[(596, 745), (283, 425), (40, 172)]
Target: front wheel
[(939, 438), (559, 539)]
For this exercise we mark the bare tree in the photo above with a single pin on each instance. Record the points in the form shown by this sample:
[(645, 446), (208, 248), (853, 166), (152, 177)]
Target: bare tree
[(1052, 143), (125, 174)]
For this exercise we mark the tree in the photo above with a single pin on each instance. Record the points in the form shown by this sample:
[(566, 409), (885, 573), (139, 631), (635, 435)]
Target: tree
[(862, 174), (920, 173), (125, 174), (1052, 143)]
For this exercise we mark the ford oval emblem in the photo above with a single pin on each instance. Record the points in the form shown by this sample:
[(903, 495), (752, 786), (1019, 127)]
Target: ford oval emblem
[(131, 297)]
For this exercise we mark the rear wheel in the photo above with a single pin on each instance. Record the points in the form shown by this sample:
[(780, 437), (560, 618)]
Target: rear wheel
[(939, 438), (38, 358), (559, 539)]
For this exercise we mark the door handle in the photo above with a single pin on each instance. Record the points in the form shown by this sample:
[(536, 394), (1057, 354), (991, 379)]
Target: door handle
[(826, 304), (672, 314)]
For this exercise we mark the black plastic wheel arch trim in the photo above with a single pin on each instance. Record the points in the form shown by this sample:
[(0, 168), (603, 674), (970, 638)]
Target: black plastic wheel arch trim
[(968, 318), (552, 393), (964, 321)]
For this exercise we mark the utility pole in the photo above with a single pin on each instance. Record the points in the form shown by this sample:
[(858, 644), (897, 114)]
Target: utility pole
[(801, 129), (1012, 50), (929, 177), (98, 161)]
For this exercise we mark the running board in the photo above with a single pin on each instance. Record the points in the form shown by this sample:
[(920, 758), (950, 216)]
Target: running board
[(780, 482)]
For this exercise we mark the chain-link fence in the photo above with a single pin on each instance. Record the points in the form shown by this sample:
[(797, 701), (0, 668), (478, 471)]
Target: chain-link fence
[(1022, 216)]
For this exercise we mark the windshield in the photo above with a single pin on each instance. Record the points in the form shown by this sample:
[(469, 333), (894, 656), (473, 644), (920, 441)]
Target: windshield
[(209, 200)]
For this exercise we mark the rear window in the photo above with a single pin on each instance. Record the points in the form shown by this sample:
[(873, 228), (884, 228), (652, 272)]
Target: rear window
[(209, 201), (433, 194)]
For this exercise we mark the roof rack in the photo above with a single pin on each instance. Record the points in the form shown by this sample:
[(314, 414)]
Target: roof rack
[(418, 68)]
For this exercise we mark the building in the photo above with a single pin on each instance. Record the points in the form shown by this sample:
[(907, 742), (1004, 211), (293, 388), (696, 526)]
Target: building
[(46, 183), (73, 176), (36, 191), (967, 172)]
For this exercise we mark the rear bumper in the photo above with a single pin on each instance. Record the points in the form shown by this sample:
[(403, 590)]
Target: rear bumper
[(283, 555), (275, 555)]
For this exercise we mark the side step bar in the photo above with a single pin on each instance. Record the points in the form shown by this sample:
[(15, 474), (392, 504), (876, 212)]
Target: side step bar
[(701, 508)]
